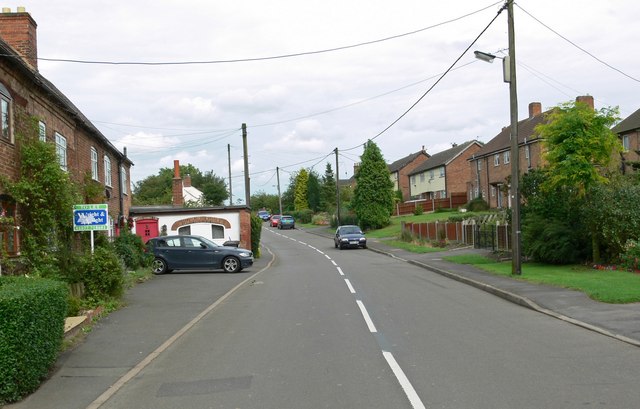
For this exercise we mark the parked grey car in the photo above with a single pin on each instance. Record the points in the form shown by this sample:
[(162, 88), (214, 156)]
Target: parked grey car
[(184, 252), (349, 236)]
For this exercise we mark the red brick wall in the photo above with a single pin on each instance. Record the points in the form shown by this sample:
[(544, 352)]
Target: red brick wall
[(458, 171), (19, 31), (245, 229)]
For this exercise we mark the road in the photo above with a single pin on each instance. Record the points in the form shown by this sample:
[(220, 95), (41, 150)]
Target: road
[(329, 328)]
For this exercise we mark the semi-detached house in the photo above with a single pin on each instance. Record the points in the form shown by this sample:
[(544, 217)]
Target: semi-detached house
[(25, 95)]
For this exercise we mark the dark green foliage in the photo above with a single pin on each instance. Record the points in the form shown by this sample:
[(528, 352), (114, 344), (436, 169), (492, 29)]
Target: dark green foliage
[(418, 210), (32, 313), (313, 191), (328, 189), (303, 216), (552, 241), (346, 217), (256, 233), (300, 195), (130, 248), (630, 257), (477, 205), (103, 274), (373, 198), (262, 200)]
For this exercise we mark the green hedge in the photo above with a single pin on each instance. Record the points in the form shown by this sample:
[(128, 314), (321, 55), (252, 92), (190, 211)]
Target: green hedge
[(32, 314)]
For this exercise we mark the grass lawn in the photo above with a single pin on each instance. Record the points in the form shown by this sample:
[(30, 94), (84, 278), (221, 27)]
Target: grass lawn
[(609, 286)]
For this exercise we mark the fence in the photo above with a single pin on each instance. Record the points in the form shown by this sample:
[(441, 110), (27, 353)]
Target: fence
[(479, 235), (454, 201)]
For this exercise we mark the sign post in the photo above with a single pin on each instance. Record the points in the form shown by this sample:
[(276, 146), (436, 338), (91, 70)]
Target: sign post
[(90, 217)]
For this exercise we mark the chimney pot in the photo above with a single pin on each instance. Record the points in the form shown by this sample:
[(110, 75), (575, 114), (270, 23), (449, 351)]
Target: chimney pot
[(21, 9), (585, 99), (535, 108), (19, 30)]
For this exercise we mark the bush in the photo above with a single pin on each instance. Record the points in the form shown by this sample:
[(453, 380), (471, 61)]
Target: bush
[(345, 218), (103, 274), (477, 205), (131, 249), (256, 232), (303, 216), (32, 313), (630, 259), (418, 210), (321, 219)]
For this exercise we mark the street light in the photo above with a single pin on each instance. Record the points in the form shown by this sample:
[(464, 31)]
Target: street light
[(509, 73)]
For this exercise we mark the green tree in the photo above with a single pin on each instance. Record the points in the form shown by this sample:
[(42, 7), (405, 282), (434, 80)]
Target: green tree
[(300, 200), (262, 200), (289, 195), (313, 191), (157, 189), (373, 197), (328, 189), (579, 146)]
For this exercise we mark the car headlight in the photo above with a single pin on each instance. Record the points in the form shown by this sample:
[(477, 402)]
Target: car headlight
[(344, 239), (244, 254), (363, 239)]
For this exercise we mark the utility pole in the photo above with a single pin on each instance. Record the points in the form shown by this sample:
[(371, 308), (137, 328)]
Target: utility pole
[(516, 267), (247, 188), (229, 160), (279, 195), (337, 188)]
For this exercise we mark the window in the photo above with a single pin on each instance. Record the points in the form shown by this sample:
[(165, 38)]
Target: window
[(443, 194), (217, 231), (184, 230), (442, 172), (493, 191), (125, 183), (42, 131), (431, 174), (94, 163), (107, 171), (625, 143), (496, 159), (479, 162), (422, 177), (413, 180), (507, 157), (61, 150), (5, 114), (527, 155)]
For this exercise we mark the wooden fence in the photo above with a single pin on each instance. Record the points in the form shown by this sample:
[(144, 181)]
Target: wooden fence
[(487, 236), (454, 201)]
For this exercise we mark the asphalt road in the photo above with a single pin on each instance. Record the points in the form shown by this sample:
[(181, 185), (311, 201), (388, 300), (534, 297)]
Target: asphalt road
[(329, 328)]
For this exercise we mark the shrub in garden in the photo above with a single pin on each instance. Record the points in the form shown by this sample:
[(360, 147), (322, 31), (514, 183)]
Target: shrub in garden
[(32, 313), (418, 210), (630, 259), (103, 274), (256, 232), (131, 249)]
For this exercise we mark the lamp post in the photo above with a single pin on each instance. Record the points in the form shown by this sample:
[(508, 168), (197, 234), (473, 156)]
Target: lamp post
[(509, 72)]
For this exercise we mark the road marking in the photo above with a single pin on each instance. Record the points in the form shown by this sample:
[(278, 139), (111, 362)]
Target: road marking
[(340, 271), (411, 393), (319, 251), (334, 263), (327, 256), (353, 291), (367, 318)]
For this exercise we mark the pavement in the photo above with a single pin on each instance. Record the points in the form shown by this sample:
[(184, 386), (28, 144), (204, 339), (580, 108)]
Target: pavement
[(619, 321)]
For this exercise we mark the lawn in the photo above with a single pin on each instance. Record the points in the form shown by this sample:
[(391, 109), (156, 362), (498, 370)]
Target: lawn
[(609, 286)]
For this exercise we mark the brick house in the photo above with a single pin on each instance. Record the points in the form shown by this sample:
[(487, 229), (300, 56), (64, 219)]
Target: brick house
[(400, 170), (629, 133), (25, 95), (444, 173), (220, 224), (491, 165)]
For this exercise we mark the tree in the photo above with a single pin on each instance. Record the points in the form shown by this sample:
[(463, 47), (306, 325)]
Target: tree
[(300, 199), (313, 191), (289, 195), (158, 189), (373, 197), (262, 200), (328, 189), (579, 145)]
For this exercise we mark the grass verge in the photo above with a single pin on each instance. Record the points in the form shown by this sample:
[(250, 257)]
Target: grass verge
[(608, 286)]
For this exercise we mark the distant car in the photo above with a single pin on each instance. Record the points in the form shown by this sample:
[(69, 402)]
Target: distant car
[(195, 253), (349, 236), (264, 215), (274, 220), (286, 222)]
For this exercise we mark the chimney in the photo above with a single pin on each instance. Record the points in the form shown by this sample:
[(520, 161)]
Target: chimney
[(585, 99), (19, 31), (187, 181), (535, 108), (176, 188)]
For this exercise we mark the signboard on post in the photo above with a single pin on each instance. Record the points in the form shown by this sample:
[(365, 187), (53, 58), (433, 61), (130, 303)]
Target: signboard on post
[(90, 217)]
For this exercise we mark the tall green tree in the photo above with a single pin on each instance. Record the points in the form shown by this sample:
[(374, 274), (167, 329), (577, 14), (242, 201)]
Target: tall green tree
[(300, 201), (328, 189), (313, 191), (262, 200), (289, 195), (373, 197)]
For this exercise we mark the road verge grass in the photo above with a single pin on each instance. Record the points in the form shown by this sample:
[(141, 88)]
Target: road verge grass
[(608, 286)]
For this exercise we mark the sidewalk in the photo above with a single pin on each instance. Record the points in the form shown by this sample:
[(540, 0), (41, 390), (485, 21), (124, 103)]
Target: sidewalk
[(620, 321)]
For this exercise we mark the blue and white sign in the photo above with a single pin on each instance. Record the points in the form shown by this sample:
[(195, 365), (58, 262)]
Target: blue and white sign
[(89, 217)]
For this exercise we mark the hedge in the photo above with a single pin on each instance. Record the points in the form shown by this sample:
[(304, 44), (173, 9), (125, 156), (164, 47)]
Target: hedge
[(32, 314)]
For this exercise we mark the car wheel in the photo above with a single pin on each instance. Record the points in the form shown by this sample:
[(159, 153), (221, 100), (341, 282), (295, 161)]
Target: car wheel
[(159, 266), (231, 265), (335, 244), (364, 247)]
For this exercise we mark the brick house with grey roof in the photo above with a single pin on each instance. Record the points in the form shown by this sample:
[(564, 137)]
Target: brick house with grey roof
[(444, 173), (629, 133), (25, 95), (491, 165), (400, 169)]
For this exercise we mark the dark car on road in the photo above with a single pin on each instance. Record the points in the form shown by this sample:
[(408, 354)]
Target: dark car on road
[(286, 222), (349, 236), (195, 253), (264, 215)]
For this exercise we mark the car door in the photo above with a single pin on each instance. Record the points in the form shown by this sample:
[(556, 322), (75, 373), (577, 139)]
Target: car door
[(201, 254), (172, 251)]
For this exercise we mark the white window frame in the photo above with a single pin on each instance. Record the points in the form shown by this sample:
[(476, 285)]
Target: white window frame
[(496, 159), (125, 183), (422, 177), (479, 161), (42, 131), (506, 157), (61, 150), (107, 171), (527, 155), (6, 119), (94, 163), (625, 143), (442, 171), (431, 173)]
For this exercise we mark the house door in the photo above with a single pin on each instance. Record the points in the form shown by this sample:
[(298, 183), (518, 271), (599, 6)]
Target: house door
[(147, 229)]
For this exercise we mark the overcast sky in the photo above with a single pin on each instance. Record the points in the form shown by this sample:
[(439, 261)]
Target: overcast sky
[(299, 109)]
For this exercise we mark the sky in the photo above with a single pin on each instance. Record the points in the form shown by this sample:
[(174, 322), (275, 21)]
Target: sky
[(307, 77)]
